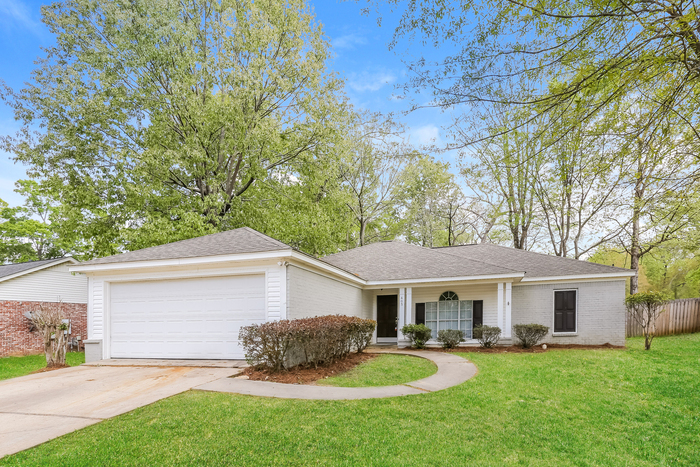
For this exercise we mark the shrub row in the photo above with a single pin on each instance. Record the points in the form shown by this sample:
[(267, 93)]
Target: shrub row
[(308, 341)]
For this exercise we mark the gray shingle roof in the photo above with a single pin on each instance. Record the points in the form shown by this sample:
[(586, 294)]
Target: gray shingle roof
[(532, 263), (398, 260), (7, 270), (242, 240)]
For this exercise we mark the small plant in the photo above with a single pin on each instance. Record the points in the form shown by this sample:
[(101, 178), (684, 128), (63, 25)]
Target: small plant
[(418, 333), (487, 335), (530, 334), (450, 338), (644, 308)]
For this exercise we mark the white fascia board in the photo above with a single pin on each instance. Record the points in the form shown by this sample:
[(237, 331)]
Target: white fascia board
[(408, 282), (195, 261), (39, 268), (581, 277), (327, 267)]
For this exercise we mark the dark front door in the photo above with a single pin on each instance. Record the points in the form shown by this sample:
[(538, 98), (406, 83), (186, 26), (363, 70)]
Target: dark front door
[(386, 315)]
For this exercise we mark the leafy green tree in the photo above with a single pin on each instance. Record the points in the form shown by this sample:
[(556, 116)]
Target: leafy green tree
[(163, 120), (27, 232), (551, 54)]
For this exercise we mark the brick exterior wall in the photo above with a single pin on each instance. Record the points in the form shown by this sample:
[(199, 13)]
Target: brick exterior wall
[(600, 316), (15, 337)]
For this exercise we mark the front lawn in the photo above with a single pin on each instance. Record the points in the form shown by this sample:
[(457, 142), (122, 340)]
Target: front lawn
[(384, 370), (559, 408), (11, 367)]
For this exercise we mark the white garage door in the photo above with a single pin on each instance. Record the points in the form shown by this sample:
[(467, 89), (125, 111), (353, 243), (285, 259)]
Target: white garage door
[(188, 318)]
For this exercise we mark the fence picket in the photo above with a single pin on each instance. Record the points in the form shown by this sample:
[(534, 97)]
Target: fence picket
[(680, 317)]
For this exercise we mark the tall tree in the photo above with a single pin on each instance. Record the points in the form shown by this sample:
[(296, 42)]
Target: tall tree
[(508, 166), (551, 54), (375, 159), (159, 120), (580, 187), (28, 232)]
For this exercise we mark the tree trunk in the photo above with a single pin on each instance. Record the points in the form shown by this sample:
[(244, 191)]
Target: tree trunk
[(635, 249)]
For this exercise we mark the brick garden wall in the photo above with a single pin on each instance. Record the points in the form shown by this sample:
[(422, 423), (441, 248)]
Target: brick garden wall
[(15, 337)]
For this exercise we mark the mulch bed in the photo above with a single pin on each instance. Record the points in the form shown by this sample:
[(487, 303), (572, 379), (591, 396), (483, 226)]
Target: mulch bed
[(535, 349), (300, 375), (45, 369)]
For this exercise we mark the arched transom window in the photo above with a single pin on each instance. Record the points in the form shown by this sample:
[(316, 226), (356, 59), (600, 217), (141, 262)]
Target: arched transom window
[(448, 296)]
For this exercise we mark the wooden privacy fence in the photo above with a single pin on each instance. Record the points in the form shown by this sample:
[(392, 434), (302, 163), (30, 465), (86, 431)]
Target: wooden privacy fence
[(680, 317)]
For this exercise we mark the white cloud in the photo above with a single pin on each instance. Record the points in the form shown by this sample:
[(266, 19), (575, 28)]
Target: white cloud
[(349, 41), (425, 135), (370, 81), (16, 15)]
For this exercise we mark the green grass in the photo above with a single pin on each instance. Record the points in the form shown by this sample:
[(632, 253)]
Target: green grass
[(11, 367), (559, 408), (384, 370)]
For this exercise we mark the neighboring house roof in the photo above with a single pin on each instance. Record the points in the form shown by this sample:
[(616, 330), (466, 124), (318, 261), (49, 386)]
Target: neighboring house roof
[(231, 242), (10, 271), (533, 264), (385, 261)]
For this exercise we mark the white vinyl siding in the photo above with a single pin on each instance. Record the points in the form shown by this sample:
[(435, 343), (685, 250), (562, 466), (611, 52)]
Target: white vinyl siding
[(52, 284)]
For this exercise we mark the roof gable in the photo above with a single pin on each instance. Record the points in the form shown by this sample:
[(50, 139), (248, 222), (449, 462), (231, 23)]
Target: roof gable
[(230, 242), (10, 271)]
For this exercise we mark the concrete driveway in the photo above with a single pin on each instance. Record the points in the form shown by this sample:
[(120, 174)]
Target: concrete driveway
[(43, 406)]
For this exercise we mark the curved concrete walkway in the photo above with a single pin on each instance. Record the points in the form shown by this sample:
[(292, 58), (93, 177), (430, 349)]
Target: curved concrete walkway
[(452, 370)]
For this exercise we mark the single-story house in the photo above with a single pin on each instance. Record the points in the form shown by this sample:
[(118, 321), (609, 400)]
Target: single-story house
[(188, 299), (24, 287)]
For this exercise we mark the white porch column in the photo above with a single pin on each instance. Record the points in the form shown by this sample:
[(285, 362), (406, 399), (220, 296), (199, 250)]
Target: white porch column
[(509, 289), (409, 306), (500, 305), (401, 312)]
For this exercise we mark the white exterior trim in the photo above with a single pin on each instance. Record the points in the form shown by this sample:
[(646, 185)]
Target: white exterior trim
[(440, 280), (579, 278), (401, 313), (39, 268), (507, 330), (500, 305)]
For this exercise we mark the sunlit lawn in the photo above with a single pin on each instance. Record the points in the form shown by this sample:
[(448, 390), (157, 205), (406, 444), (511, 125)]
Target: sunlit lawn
[(384, 370), (563, 407), (11, 367)]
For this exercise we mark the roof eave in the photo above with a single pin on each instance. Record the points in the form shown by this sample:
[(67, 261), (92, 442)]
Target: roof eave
[(573, 277), (193, 261), (510, 277)]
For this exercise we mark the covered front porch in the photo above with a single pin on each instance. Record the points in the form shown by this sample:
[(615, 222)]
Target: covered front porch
[(451, 305)]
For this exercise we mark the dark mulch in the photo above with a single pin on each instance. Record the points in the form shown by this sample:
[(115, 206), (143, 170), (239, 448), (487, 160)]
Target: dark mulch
[(299, 375), (535, 349), (46, 368)]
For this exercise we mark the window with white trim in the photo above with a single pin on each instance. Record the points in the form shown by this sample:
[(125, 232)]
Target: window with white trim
[(449, 312)]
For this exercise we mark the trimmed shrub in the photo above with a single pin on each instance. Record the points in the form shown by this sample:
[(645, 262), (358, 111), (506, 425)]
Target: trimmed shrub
[(530, 334), (419, 334), (309, 341), (487, 335), (450, 338)]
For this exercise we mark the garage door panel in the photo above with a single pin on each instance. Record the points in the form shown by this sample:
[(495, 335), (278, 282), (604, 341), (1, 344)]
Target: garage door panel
[(190, 318)]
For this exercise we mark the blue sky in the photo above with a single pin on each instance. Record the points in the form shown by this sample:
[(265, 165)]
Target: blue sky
[(362, 58)]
